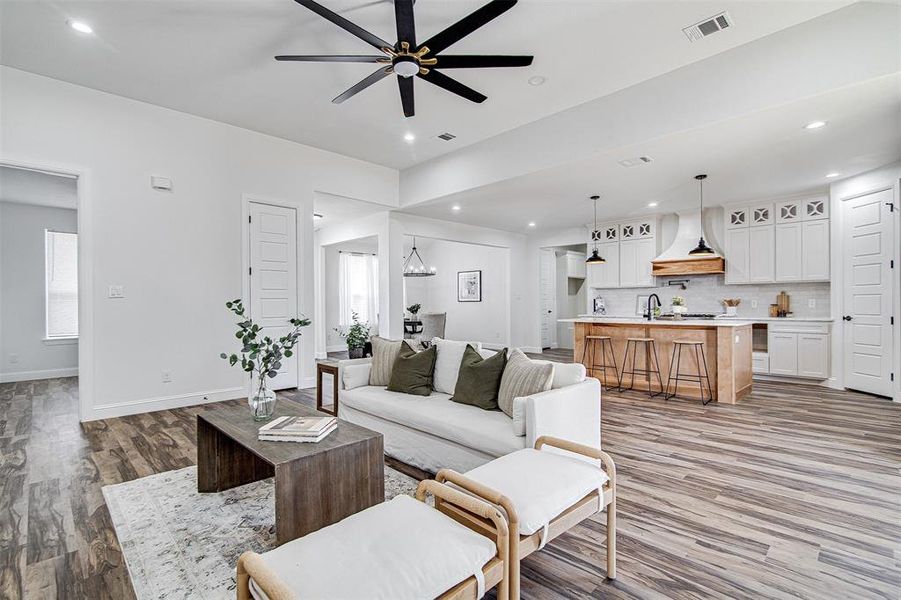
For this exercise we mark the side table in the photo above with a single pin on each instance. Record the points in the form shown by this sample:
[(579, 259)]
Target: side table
[(330, 368)]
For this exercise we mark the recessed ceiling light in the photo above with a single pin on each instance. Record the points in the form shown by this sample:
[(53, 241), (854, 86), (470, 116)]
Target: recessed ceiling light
[(831, 175), (815, 125), (455, 207), (537, 79), (531, 223), (652, 204), (409, 137), (80, 26)]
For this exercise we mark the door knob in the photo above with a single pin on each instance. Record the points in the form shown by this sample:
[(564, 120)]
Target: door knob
[(847, 318)]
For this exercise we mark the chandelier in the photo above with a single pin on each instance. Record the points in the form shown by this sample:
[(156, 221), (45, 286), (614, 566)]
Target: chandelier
[(414, 265)]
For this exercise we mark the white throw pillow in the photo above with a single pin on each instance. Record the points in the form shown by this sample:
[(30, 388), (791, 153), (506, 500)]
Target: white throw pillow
[(523, 377), (356, 375), (447, 363)]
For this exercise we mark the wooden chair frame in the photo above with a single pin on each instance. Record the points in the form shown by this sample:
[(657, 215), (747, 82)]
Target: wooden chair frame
[(495, 571), (523, 545)]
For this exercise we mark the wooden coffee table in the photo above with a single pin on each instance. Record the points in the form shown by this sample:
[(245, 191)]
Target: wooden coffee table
[(316, 484)]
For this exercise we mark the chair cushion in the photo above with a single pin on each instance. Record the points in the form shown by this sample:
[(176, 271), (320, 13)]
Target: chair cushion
[(479, 379), (413, 371), (395, 550), (523, 377), (447, 365), (541, 485), (486, 431)]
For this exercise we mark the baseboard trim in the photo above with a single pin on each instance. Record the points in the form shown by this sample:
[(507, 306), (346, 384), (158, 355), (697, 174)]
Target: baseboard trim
[(336, 348), (34, 375), (791, 379), (320, 355), (532, 349), (107, 411), (306, 383)]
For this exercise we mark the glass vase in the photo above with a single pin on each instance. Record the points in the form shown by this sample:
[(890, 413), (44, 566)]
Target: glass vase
[(262, 403)]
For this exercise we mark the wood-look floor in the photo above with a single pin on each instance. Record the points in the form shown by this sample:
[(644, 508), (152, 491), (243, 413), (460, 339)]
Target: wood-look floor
[(793, 492)]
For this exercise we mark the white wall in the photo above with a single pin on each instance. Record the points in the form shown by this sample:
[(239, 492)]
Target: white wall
[(23, 352), (369, 245), (886, 177), (484, 321), (177, 254)]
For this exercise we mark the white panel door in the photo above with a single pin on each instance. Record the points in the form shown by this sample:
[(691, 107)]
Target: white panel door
[(548, 299), (761, 259), (788, 252), (868, 242), (273, 278), (815, 242), (737, 256)]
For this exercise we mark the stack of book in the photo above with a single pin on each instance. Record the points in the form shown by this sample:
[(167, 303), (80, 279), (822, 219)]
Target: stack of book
[(297, 429)]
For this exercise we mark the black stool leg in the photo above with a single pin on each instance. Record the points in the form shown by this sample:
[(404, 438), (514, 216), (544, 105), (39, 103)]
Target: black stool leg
[(657, 367), (669, 374), (706, 379)]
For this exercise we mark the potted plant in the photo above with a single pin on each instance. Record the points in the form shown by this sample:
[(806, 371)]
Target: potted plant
[(413, 309), (356, 336), (678, 306), (261, 356)]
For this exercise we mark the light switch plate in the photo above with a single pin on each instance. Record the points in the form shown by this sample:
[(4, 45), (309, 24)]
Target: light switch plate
[(812, 303), (116, 291), (753, 303)]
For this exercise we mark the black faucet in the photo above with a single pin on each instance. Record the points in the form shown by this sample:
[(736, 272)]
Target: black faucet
[(650, 308)]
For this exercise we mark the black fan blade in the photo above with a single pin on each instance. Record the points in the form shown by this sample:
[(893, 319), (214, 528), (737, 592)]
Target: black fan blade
[(467, 25), (362, 85), (406, 94), (344, 24), (406, 26), (452, 85), (348, 58), (450, 61)]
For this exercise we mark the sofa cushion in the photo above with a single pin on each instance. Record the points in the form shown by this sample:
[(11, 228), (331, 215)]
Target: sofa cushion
[(541, 485), (486, 431), (355, 375), (398, 549), (413, 371), (566, 374), (384, 352), (479, 379), (523, 377), (447, 365)]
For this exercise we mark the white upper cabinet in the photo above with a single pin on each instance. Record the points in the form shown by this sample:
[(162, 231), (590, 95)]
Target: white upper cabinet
[(575, 265), (606, 274), (737, 254), (628, 247), (770, 242)]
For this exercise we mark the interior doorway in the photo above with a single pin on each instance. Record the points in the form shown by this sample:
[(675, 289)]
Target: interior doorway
[(40, 296), (563, 293), (351, 287)]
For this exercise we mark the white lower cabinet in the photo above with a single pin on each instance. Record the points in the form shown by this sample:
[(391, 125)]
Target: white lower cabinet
[(782, 349), (813, 355), (799, 350)]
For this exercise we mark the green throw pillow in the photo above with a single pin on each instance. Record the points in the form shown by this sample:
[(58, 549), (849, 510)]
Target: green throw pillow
[(479, 378), (413, 371)]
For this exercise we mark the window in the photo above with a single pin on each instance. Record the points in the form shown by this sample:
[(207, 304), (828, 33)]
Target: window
[(61, 259), (358, 287)]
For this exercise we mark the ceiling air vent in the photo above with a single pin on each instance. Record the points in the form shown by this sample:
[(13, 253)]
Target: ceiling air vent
[(635, 162), (446, 136), (708, 26)]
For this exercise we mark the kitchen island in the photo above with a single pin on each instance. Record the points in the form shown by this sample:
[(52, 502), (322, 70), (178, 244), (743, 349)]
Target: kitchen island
[(727, 347)]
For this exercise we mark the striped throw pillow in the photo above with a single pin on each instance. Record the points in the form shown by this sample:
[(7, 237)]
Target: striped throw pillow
[(384, 353), (522, 377)]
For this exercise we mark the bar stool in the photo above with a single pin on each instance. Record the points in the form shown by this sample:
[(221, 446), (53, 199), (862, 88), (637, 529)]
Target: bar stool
[(650, 349), (606, 344), (700, 379)]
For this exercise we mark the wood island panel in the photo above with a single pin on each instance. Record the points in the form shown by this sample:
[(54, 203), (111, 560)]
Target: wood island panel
[(727, 349)]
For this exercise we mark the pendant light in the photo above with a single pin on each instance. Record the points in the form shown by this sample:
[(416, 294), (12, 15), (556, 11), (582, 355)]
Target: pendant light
[(702, 247), (416, 267), (595, 258)]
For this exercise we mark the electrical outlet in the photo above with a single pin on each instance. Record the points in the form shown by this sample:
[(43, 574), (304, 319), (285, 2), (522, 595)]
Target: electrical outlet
[(13, 359), (116, 291), (753, 303), (166, 376), (812, 303)]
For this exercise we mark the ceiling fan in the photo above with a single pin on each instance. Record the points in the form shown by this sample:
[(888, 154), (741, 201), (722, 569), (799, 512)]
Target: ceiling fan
[(406, 58)]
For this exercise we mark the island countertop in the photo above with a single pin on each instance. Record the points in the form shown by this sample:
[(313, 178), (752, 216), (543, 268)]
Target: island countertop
[(639, 321)]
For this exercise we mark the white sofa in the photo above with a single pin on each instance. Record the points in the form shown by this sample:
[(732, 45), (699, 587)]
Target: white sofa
[(432, 432)]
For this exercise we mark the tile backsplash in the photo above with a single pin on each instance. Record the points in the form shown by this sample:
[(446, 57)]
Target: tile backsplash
[(705, 293)]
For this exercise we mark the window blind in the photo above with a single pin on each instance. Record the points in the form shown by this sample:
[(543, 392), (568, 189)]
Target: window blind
[(62, 284)]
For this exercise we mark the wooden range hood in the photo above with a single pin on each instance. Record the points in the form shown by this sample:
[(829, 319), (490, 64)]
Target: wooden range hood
[(677, 260), (703, 265)]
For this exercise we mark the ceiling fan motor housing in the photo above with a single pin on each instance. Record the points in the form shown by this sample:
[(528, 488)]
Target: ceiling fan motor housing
[(406, 66)]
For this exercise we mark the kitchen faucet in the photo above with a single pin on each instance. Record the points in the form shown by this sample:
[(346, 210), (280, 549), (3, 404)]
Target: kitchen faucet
[(650, 308)]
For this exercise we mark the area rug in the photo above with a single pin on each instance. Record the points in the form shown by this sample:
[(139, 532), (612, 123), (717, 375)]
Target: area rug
[(179, 543)]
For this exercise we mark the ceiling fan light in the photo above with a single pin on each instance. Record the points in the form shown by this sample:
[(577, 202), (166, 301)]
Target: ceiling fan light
[(406, 67)]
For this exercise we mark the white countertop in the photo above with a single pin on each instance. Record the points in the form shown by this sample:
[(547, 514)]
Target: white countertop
[(718, 322)]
